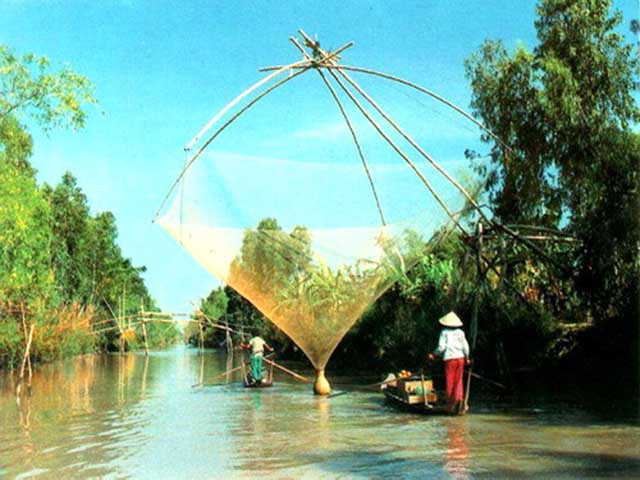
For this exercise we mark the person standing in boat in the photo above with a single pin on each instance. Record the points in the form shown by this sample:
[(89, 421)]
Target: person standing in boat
[(454, 350), (257, 345)]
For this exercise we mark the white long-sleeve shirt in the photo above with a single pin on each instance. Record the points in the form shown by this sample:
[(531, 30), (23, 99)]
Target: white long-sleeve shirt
[(452, 344), (257, 345)]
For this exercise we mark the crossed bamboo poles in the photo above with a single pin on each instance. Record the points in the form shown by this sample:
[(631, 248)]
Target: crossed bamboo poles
[(327, 62), (321, 61)]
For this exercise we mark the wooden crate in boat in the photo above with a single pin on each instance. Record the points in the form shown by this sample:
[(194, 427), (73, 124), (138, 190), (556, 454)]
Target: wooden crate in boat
[(407, 389)]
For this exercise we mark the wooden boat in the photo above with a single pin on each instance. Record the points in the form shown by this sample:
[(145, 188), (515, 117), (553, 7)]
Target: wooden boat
[(416, 394), (250, 382)]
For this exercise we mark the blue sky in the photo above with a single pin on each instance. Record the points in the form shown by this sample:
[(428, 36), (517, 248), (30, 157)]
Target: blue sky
[(162, 69)]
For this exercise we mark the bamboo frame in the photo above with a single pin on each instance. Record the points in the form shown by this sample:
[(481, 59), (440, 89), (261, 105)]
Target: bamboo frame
[(397, 128), (397, 149), (305, 65), (325, 60), (351, 130), (321, 60), (415, 86)]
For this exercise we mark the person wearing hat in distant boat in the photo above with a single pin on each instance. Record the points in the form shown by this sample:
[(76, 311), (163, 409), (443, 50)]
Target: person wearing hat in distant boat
[(257, 346), (454, 350)]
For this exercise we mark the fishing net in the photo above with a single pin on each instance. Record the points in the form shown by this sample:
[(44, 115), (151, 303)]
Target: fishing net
[(283, 209)]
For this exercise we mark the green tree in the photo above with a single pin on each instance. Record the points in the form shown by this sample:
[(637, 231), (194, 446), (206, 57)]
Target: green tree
[(70, 212), (29, 89), (26, 279), (16, 144), (566, 109), (215, 305), (243, 315), (25, 237), (213, 308), (59, 265)]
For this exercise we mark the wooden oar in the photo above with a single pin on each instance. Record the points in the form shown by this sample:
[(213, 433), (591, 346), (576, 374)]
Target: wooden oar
[(371, 385), (424, 390), (286, 370), (467, 390), (337, 394), (492, 382), (228, 372)]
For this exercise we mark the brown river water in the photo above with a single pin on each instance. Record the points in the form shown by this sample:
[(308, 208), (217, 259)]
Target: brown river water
[(134, 416)]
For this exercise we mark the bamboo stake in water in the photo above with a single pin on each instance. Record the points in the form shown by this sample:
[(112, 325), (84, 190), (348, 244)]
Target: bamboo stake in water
[(144, 328), (26, 357), (146, 341)]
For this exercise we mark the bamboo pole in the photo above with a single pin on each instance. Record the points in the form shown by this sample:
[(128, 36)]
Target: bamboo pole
[(253, 87), (541, 238), (25, 358), (168, 314), (201, 376), (144, 328), (397, 149), (488, 380), (415, 86), (474, 318), (164, 320), (228, 340), (305, 65), (228, 372), (350, 127), (404, 135), (146, 340), (201, 341), (435, 164), (537, 228), (114, 327), (244, 374), (424, 391), (286, 370)]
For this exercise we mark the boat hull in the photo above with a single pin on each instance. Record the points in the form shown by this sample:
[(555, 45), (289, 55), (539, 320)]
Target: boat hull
[(417, 394), (264, 384), (427, 409)]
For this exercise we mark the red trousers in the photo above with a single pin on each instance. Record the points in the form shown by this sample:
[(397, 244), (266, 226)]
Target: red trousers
[(453, 370)]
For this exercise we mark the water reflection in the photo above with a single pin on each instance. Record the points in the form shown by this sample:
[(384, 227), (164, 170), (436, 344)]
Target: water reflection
[(137, 416), (457, 449)]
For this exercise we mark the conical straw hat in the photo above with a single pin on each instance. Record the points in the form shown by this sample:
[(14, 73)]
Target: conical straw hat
[(450, 320)]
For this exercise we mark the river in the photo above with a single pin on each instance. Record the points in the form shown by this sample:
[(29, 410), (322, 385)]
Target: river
[(134, 416)]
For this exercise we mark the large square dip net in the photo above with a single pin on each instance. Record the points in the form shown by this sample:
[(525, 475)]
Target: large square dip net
[(312, 223)]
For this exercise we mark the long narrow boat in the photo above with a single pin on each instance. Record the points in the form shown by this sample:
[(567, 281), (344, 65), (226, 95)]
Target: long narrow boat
[(416, 394), (250, 382), (262, 384)]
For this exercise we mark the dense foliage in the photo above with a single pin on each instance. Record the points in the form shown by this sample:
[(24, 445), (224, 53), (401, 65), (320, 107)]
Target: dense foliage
[(567, 110), (61, 270)]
